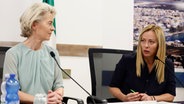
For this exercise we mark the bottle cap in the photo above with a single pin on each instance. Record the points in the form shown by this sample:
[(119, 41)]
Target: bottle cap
[(12, 75)]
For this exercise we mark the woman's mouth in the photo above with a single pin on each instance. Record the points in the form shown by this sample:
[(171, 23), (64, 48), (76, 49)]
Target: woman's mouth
[(146, 51)]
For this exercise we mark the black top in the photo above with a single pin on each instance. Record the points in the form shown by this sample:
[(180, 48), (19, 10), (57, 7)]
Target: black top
[(125, 78)]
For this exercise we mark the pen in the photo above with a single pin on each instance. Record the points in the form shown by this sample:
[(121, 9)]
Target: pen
[(132, 91)]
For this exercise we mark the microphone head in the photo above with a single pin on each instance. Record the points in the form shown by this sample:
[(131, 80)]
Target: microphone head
[(156, 57), (52, 54)]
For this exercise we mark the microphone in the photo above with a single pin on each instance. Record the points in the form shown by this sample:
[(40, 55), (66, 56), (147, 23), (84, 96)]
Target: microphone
[(91, 98), (168, 67)]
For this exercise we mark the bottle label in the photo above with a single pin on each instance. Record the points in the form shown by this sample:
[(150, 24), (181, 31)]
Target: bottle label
[(13, 102)]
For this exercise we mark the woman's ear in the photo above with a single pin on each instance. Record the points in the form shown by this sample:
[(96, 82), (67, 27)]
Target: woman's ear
[(34, 25)]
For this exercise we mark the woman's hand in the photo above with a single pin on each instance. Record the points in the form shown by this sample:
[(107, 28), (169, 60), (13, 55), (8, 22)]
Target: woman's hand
[(54, 98), (133, 97), (60, 96), (145, 97)]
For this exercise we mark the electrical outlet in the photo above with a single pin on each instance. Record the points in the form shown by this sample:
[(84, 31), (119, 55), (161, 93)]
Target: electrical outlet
[(68, 71)]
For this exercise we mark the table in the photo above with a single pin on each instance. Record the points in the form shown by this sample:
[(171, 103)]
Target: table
[(148, 102)]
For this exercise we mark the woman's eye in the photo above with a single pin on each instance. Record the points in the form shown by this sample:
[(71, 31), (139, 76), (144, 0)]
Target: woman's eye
[(152, 42), (50, 23), (143, 41)]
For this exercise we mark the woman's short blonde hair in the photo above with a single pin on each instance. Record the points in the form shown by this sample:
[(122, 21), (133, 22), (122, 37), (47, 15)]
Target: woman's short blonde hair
[(161, 52), (33, 14)]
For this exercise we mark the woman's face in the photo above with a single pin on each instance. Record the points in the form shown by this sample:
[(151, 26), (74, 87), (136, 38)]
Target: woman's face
[(149, 44), (43, 29)]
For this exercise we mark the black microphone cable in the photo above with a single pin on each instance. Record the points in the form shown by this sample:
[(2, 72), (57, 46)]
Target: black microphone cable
[(53, 55), (168, 67)]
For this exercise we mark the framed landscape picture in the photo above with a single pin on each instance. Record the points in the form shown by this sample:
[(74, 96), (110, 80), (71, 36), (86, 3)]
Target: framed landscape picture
[(168, 14)]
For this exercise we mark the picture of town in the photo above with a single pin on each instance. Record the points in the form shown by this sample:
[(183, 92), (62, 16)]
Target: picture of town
[(169, 14)]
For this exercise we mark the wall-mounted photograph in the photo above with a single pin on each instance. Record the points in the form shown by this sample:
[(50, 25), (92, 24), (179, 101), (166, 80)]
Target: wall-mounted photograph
[(168, 14)]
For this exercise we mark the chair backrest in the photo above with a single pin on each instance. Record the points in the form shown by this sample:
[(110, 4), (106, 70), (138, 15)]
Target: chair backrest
[(2, 56), (102, 64)]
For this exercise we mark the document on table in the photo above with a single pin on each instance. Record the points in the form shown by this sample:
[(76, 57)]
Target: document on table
[(143, 102)]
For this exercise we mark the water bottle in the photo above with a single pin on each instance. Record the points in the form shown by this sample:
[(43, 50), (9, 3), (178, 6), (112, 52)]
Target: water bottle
[(12, 88), (3, 88), (40, 99)]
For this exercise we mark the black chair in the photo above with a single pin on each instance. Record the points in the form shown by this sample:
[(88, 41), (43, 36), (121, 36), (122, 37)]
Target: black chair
[(3, 50), (2, 56), (102, 64)]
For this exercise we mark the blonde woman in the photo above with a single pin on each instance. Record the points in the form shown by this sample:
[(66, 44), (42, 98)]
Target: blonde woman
[(30, 60), (140, 76)]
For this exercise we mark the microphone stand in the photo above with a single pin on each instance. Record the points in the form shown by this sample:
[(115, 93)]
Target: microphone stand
[(168, 67), (90, 96)]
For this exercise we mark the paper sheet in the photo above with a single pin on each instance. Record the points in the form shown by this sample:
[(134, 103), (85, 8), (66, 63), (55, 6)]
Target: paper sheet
[(143, 102)]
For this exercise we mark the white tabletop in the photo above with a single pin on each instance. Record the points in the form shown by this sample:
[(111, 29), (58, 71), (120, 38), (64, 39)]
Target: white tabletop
[(143, 102)]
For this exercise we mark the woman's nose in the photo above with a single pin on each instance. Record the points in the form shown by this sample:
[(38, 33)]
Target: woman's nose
[(146, 44), (52, 28)]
